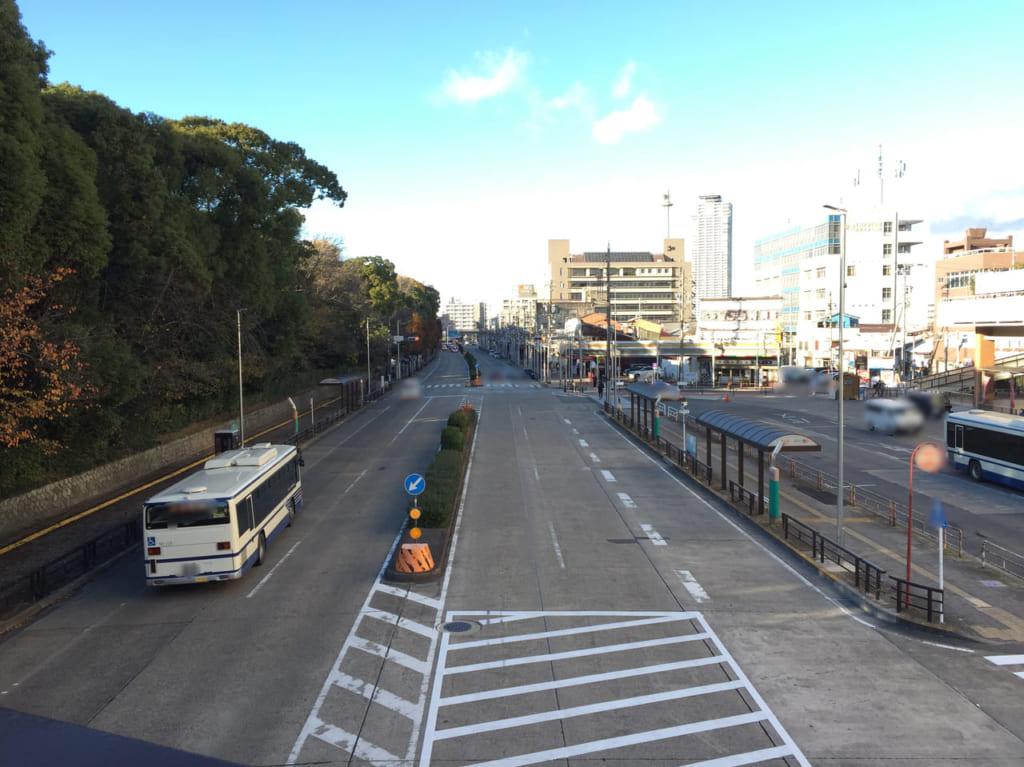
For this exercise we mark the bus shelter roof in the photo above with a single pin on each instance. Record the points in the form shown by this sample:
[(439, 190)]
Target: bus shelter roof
[(761, 436), (659, 390)]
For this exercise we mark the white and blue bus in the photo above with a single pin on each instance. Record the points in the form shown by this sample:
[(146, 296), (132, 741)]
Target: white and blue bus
[(987, 445), (216, 523)]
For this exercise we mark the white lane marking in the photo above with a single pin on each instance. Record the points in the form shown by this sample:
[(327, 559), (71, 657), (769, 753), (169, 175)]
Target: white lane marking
[(608, 476), (594, 458), (785, 565), (314, 726), (536, 474), (947, 646), (628, 502), (273, 569), (312, 463), (782, 745), (353, 483), (698, 593), (568, 654), (554, 541), (645, 621), (592, 708), (411, 420), (584, 443), (567, 421), (653, 535), (1005, 660), (575, 681)]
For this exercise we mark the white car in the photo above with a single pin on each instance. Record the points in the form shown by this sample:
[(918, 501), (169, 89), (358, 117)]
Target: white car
[(892, 415)]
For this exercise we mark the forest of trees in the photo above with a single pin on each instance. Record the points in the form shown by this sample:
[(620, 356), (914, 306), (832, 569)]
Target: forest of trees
[(128, 243)]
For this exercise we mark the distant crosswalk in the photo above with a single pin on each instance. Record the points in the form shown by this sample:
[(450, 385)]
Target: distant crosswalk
[(1009, 660), (489, 385)]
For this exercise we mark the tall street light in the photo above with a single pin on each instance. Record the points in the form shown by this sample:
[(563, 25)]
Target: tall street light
[(241, 401), (840, 390)]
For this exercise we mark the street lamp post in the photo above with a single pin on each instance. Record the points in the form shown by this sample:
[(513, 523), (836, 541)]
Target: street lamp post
[(241, 401), (840, 393)]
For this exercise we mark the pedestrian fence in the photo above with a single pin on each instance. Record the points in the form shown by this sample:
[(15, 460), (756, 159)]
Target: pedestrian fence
[(908, 594), (867, 577), (1003, 559), (740, 494)]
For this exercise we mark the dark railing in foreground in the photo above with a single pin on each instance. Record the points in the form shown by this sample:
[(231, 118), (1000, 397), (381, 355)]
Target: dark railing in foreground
[(60, 572), (740, 494), (54, 575), (909, 594), (866, 576)]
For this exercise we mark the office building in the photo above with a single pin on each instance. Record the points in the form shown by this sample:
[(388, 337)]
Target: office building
[(465, 318), (641, 284), (802, 266)]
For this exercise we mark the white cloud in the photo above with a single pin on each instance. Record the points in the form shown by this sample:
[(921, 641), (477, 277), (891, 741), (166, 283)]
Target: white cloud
[(500, 76), (640, 116), (624, 84), (574, 97)]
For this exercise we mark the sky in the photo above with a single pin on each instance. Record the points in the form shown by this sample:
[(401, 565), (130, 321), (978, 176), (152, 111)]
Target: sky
[(468, 134)]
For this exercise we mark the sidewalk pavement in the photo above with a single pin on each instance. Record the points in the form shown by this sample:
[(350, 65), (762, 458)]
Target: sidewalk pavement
[(982, 603)]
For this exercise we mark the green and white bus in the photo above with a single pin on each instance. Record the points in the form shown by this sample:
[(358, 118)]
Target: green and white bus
[(217, 523)]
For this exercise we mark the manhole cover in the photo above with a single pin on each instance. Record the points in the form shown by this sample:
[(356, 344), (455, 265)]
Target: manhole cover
[(460, 627)]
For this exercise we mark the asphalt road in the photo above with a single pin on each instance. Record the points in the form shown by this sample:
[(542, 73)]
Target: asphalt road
[(597, 608)]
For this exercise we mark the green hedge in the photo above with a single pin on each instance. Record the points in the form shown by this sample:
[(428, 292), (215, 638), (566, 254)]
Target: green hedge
[(443, 478)]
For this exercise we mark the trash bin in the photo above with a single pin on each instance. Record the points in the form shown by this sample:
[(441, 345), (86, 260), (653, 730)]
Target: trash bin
[(225, 439), (851, 386)]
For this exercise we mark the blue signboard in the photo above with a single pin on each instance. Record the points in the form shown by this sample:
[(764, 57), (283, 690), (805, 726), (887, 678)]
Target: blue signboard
[(415, 484)]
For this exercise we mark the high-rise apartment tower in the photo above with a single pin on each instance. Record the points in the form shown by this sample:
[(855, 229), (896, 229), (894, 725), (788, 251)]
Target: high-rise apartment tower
[(711, 253)]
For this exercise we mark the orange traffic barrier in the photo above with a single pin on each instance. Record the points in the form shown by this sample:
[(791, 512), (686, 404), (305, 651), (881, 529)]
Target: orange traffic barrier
[(414, 558)]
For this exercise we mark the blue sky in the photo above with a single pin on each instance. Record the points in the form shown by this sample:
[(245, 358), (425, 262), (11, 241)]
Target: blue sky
[(468, 134)]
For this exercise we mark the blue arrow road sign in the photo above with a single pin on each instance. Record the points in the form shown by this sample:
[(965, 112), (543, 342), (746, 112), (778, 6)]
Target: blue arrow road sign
[(415, 484)]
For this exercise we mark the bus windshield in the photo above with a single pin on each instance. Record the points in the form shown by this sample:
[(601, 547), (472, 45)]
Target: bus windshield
[(187, 514)]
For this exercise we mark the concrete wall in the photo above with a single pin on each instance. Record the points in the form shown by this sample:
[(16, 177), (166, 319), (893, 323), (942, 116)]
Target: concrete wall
[(47, 505)]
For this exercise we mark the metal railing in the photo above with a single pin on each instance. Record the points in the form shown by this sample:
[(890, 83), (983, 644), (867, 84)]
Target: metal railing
[(866, 576), (1003, 559), (894, 513), (739, 493), (46, 579), (917, 595)]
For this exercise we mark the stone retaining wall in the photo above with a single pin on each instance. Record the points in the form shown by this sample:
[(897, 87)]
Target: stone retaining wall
[(46, 505)]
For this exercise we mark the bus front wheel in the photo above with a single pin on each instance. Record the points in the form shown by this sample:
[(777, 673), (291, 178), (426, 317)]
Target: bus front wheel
[(261, 550), (974, 469)]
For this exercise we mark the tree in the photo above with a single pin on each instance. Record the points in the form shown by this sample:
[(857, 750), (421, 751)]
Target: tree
[(23, 70), (39, 378)]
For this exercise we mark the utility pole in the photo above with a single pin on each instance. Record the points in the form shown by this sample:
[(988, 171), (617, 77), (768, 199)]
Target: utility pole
[(667, 205), (608, 324)]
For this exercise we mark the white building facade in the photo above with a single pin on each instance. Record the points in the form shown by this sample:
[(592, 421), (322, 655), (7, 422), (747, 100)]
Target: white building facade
[(711, 250), (465, 318)]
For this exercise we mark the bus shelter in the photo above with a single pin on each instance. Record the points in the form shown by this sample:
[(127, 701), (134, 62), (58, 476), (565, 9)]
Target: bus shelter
[(759, 436), (644, 399)]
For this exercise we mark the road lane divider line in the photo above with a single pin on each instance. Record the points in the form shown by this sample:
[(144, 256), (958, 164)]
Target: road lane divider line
[(554, 541), (273, 570), (691, 585), (608, 476), (653, 535), (628, 502)]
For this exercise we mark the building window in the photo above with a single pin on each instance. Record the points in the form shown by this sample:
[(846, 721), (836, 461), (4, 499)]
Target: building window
[(886, 270), (887, 249), (886, 315), (807, 315), (820, 272), (886, 294), (819, 293), (851, 271), (887, 227)]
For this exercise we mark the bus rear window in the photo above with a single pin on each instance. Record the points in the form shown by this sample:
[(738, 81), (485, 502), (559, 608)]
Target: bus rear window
[(186, 514)]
